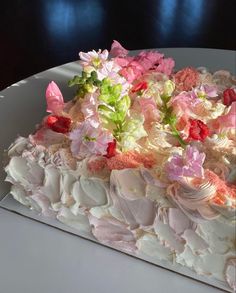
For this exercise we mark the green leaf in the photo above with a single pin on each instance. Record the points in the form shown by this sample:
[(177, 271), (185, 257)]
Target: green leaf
[(116, 90), (123, 104), (106, 112), (76, 80)]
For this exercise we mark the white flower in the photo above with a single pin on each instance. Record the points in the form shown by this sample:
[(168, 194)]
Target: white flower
[(93, 58)]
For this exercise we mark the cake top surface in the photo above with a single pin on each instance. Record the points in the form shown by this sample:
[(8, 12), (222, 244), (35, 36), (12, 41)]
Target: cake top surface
[(137, 112)]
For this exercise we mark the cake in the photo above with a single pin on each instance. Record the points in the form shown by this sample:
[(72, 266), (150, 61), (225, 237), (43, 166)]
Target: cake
[(143, 158)]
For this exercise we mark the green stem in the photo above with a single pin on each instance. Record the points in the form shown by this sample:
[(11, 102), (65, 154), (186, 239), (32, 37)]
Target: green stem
[(118, 131), (177, 136)]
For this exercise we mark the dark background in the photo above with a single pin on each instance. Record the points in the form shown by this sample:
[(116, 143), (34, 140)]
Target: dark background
[(38, 34)]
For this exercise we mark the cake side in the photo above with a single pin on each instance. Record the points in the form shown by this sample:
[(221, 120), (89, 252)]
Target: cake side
[(142, 158)]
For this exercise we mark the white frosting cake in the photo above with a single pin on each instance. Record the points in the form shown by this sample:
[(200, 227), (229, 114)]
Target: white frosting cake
[(143, 158)]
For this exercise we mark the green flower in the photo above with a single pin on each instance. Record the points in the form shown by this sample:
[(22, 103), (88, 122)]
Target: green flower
[(133, 130)]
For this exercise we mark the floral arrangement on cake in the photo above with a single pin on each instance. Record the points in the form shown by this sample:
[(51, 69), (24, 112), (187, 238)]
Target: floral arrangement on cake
[(134, 111)]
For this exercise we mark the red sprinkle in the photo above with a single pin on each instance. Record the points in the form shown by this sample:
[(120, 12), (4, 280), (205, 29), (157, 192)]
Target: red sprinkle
[(139, 86), (198, 130), (111, 149), (58, 123), (229, 96)]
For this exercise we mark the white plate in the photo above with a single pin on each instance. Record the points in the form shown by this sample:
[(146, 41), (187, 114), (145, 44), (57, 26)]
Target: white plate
[(22, 106)]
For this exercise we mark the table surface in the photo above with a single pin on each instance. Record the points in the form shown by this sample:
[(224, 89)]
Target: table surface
[(37, 35)]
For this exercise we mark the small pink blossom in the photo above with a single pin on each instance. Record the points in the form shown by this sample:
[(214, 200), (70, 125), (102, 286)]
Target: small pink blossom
[(205, 91), (133, 71), (187, 165), (134, 67), (117, 50), (110, 69), (149, 109), (227, 121), (166, 66), (185, 103), (149, 59), (88, 140), (54, 98), (210, 90), (93, 58), (89, 109)]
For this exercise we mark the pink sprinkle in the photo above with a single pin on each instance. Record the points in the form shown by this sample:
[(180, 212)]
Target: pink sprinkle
[(130, 160), (97, 164)]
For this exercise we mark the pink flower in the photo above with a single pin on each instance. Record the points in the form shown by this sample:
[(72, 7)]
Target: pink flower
[(149, 59), (117, 50), (110, 69), (186, 79), (54, 98), (227, 121), (209, 90), (89, 109), (93, 58), (187, 165), (134, 67), (185, 103), (149, 109), (88, 140), (166, 66), (133, 71)]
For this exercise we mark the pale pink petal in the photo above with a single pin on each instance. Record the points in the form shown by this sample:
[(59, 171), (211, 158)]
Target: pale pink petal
[(166, 66), (149, 109), (89, 109), (187, 165), (228, 120), (117, 50), (55, 101), (149, 59)]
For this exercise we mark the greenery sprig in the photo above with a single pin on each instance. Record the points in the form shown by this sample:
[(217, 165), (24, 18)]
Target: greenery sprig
[(85, 83), (170, 119), (114, 108)]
